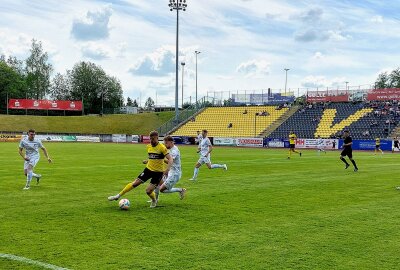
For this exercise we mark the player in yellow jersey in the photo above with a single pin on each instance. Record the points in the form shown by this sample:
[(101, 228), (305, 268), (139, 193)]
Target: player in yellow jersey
[(154, 170), (378, 146), (292, 144)]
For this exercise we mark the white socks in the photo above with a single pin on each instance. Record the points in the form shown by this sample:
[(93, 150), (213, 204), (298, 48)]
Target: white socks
[(172, 190), (29, 178), (195, 173), (215, 166)]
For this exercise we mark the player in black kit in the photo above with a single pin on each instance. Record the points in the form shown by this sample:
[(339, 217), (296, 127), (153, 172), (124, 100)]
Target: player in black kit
[(347, 150), (396, 144)]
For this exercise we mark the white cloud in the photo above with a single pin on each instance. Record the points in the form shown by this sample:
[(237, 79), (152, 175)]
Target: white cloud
[(377, 19), (95, 51), (98, 51), (321, 35), (318, 55), (161, 62), (254, 68), (224, 77), (307, 35), (337, 35), (314, 81), (93, 26), (322, 81), (312, 15), (158, 63), (16, 45)]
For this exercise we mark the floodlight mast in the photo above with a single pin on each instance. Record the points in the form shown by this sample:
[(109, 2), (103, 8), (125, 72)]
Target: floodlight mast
[(177, 5)]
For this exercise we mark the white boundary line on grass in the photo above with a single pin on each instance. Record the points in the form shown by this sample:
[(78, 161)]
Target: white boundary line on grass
[(29, 261)]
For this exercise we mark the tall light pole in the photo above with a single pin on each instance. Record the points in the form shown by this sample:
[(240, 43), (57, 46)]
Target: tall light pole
[(177, 5), (286, 70), (183, 70), (196, 52), (102, 101), (346, 85)]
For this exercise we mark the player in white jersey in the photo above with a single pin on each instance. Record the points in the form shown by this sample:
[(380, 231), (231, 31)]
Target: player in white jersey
[(199, 137), (174, 174), (205, 149), (320, 144), (31, 156)]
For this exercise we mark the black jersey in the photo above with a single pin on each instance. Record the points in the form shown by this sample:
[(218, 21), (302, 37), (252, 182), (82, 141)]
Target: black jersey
[(346, 141)]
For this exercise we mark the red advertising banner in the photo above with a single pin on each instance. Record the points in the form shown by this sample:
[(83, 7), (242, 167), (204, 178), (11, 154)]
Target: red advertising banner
[(32, 104), (384, 94), (338, 98), (317, 99)]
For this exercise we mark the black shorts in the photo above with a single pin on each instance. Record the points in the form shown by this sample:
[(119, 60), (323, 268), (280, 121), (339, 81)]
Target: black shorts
[(347, 152), (377, 146), (147, 174), (396, 145), (291, 146)]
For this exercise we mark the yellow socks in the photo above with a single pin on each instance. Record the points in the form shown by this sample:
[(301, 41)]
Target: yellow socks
[(152, 195), (126, 189)]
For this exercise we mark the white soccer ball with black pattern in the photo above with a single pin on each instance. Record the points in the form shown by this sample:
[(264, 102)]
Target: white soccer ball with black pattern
[(124, 204)]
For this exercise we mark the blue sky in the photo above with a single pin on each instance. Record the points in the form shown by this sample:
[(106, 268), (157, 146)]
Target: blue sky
[(244, 44)]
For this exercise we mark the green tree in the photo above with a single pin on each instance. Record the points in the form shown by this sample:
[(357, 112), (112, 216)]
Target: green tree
[(12, 84), (149, 103), (38, 71), (129, 102), (394, 78), (90, 83), (135, 104), (60, 87), (15, 64), (186, 105)]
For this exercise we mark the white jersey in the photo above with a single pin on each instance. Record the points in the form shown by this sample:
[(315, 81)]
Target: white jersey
[(204, 147), (176, 167), (199, 138), (31, 147)]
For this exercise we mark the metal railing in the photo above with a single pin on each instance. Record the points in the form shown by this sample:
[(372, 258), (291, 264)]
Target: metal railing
[(187, 114)]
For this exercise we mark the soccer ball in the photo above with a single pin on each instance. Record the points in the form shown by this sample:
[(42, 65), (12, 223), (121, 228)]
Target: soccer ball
[(124, 204)]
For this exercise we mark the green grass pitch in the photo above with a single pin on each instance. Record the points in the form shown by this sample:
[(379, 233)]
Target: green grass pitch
[(265, 212)]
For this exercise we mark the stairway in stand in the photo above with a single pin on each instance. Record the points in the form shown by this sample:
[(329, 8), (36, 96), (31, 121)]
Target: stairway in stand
[(279, 122)]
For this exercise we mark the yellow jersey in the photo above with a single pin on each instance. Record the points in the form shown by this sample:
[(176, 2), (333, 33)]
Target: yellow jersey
[(377, 141), (292, 138), (156, 155)]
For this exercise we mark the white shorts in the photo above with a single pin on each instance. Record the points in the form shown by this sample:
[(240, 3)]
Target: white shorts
[(33, 161), (171, 180), (204, 160)]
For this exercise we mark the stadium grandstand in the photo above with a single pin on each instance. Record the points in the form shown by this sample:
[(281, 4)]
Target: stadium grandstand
[(232, 121), (324, 113)]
